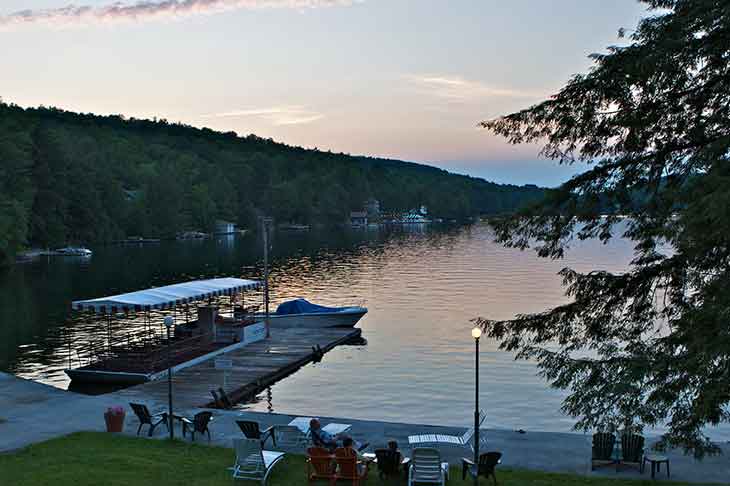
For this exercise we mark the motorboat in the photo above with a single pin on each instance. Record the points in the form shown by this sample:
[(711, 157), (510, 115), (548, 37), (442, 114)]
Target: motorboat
[(294, 227), (73, 251), (302, 313)]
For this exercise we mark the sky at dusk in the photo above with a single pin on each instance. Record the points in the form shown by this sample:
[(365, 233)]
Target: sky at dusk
[(406, 79)]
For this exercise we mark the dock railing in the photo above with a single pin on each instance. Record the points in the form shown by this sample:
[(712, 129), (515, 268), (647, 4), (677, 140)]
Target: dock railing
[(144, 352)]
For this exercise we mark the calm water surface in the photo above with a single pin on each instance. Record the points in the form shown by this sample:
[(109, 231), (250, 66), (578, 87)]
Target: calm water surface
[(421, 287)]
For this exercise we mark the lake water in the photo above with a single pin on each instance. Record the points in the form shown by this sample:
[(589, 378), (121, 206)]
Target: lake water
[(422, 287)]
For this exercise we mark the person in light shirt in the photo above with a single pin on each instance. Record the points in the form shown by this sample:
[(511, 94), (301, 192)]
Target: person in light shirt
[(322, 438)]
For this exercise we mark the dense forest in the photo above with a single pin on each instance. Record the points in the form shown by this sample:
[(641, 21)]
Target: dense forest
[(78, 178)]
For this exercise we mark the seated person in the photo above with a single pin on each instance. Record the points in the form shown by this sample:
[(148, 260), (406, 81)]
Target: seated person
[(348, 443), (393, 446), (322, 438), (389, 460)]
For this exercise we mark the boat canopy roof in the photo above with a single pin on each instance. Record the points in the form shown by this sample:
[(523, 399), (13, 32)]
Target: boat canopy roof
[(166, 297)]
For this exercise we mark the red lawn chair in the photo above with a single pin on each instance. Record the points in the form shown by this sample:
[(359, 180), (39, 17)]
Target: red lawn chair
[(320, 465), (349, 468)]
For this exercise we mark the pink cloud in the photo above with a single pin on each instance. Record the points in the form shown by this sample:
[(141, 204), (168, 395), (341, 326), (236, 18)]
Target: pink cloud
[(151, 10)]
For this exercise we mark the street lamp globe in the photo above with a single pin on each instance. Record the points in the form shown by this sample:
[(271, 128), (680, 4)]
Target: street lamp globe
[(476, 333), (169, 321)]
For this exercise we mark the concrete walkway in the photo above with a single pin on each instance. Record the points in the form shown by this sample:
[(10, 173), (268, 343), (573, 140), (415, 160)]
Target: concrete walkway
[(34, 412)]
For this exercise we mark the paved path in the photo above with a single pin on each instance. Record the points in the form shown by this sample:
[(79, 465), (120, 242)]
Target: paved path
[(33, 412), (36, 412)]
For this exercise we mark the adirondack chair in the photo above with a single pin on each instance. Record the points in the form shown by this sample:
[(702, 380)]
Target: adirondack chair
[(225, 401), (320, 465), (427, 468), (252, 430), (487, 464), (389, 463), (632, 450), (199, 424), (602, 450), (216, 399), (434, 440), (146, 418), (252, 462), (349, 467), (288, 437)]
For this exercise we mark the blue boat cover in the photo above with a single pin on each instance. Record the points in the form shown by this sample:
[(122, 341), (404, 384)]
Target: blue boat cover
[(303, 306)]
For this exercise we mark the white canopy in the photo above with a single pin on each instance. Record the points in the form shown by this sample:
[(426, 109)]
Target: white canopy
[(166, 297)]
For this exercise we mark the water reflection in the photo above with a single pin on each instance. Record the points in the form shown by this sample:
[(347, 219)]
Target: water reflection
[(421, 288)]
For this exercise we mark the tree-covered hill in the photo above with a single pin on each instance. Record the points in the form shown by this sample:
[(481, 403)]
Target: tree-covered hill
[(67, 177)]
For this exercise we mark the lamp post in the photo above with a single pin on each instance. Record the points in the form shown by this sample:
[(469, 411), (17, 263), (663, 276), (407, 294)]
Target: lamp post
[(169, 322), (476, 333), (266, 223)]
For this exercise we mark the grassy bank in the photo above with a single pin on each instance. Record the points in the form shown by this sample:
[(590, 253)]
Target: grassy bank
[(96, 458)]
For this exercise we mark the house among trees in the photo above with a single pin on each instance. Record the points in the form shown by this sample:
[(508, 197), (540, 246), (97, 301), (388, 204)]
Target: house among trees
[(419, 216), (224, 227), (358, 219), (372, 208)]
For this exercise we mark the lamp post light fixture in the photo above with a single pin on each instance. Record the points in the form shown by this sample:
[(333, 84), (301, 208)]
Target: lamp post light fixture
[(169, 322), (476, 333)]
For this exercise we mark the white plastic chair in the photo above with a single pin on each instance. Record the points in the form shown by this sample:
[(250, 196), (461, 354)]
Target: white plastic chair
[(252, 462), (289, 437), (426, 467), (463, 440)]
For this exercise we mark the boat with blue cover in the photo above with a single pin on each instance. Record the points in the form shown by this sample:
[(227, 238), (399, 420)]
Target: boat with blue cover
[(302, 313)]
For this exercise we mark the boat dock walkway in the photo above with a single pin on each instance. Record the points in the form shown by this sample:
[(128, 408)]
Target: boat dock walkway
[(252, 368)]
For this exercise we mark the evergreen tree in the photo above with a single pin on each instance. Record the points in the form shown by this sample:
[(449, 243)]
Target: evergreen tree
[(49, 210), (16, 192), (651, 345)]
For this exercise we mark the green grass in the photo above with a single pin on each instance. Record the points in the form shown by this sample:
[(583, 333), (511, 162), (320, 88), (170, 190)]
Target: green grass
[(105, 459)]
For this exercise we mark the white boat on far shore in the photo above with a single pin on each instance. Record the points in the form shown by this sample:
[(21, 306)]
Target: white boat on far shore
[(302, 313), (72, 251)]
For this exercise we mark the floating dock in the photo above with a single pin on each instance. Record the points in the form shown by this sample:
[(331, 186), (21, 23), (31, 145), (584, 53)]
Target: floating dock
[(244, 372)]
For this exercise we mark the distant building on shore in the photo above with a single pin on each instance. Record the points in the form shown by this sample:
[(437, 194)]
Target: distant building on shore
[(225, 227), (358, 218), (416, 216), (372, 208)]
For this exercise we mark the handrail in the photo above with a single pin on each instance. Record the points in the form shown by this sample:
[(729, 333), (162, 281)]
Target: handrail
[(148, 358)]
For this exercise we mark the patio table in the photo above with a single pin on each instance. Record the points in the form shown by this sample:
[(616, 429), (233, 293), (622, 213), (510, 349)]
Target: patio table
[(302, 423)]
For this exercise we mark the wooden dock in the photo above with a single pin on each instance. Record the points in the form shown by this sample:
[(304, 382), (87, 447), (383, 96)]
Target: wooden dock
[(254, 367)]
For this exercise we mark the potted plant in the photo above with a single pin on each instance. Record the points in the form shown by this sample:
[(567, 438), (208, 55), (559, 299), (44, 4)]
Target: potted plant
[(114, 417)]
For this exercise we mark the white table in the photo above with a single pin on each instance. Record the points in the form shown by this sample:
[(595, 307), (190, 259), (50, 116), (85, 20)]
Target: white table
[(302, 423), (335, 429)]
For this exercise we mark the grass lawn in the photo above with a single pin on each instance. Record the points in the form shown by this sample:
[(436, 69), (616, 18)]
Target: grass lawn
[(104, 459)]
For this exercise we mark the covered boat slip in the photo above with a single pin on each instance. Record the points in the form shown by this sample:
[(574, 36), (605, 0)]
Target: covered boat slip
[(130, 344), (167, 297), (248, 370)]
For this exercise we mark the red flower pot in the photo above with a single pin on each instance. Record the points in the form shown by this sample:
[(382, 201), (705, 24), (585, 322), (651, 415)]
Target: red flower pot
[(114, 421)]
